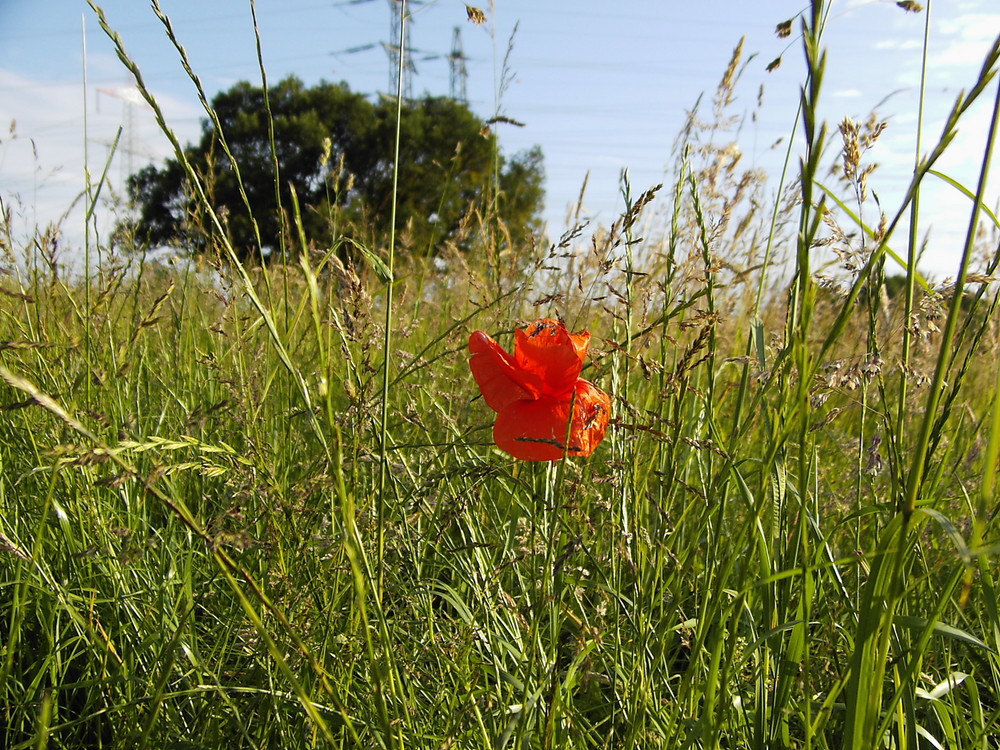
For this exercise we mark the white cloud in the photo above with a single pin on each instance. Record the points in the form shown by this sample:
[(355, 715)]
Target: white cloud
[(966, 40), (898, 44), (42, 137), (971, 26)]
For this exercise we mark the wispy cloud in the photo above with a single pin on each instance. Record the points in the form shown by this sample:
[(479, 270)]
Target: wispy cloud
[(967, 39), (42, 140), (898, 44)]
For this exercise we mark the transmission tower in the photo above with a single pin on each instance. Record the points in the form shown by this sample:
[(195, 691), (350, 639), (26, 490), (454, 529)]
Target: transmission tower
[(131, 100), (456, 63), (393, 52), (392, 49)]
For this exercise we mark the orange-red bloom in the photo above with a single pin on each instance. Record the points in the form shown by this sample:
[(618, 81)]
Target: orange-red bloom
[(533, 390)]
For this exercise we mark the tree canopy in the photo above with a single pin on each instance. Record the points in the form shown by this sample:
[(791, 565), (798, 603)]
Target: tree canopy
[(335, 147)]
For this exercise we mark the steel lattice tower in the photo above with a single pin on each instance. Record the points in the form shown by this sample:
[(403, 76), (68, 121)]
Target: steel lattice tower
[(456, 62), (394, 52)]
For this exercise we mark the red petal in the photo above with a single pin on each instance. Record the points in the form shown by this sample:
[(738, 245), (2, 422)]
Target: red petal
[(532, 430), (548, 350), (496, 373), (536, 430), (590, 417)]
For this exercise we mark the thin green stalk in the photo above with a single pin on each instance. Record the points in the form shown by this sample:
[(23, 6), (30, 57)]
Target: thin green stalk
[(913, 238), (917, 468), (990, 461), (550, 594), (86, 220), (754, 342), (800, 316), (387, 335), (708, 263), (283, 238), (628, 452)]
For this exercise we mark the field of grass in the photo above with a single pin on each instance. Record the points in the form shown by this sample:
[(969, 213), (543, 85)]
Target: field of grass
[(262, 508)]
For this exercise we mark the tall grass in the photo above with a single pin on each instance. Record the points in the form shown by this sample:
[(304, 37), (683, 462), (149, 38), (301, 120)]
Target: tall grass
[(261, 507)]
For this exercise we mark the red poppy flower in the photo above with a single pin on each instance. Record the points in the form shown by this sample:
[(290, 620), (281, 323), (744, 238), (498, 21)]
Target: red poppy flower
[(532, 392)]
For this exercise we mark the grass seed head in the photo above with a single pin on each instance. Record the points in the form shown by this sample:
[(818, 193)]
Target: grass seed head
[(475, 15), (852, 148)]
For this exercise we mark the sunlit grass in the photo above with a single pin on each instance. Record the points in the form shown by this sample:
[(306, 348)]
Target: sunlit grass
[(236, 510)]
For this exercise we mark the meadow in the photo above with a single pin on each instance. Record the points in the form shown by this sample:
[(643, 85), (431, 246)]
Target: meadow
[(261, 507)]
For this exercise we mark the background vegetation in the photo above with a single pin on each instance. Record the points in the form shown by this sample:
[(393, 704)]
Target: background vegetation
[(260, 507), (333, 149)]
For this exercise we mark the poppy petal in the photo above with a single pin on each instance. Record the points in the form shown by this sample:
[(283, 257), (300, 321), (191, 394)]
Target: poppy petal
[(591, 414), (536, 430), (548, 350), (533, 430), (495, 373)]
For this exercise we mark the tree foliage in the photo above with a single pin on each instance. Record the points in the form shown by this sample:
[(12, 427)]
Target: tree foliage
[(335, 148)]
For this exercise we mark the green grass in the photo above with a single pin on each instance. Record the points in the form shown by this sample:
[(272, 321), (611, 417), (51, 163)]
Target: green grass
[(261, 508)]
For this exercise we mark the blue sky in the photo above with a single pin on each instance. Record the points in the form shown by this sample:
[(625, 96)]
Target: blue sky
[(600, 86)]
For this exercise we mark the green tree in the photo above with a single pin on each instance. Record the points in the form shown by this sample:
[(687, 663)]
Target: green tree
[(335, 147)]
